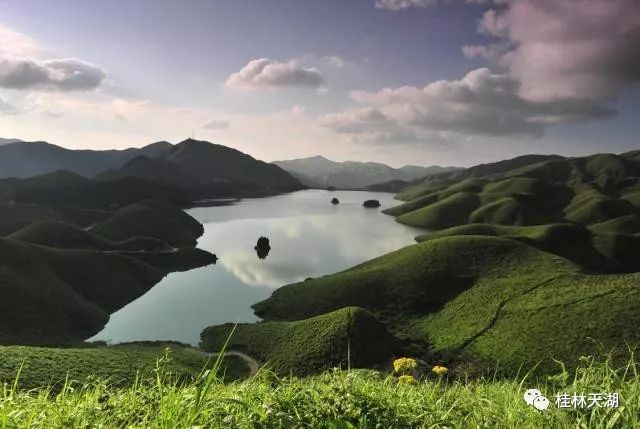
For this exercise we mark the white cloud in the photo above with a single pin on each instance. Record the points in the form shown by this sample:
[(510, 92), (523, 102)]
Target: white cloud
[(6, 108), (568, 49), (480, 104), (264, 73), (336, 61), (66, 74), (216, 124), (16, 45)]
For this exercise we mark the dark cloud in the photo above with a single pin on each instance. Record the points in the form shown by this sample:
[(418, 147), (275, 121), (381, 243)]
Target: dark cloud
[(265, 73), (67, 74), (568, 49)]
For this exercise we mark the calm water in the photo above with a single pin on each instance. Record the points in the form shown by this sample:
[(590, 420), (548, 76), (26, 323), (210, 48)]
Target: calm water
[(309, 238)]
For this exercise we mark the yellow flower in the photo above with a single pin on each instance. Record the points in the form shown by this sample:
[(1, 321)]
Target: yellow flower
[(404, 365), (407, 379), (439, 370)]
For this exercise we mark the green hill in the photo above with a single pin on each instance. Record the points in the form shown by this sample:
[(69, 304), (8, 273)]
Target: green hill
[(490, 299), (525, 191), (152, 219), (119, 364), (349, 336), (52, 296)]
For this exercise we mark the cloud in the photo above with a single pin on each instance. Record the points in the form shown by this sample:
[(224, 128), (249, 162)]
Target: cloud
[(14, 44), (264, 73), (6, 108), (568, 49), (336, 61), (396, 5), (69, 74), (216, 124), (482, 103)]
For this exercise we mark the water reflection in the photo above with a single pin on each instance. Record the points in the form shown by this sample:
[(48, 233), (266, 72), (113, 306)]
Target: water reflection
[(308, 237)]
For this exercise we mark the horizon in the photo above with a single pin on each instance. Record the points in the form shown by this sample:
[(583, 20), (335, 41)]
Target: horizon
[(450, 83)]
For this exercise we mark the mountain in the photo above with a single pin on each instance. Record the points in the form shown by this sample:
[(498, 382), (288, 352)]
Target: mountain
[(26, 159), (207, 170), (350, 174), (9, 141)]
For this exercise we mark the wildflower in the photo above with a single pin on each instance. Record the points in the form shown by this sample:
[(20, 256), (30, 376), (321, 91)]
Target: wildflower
[(407, 379), (439, 370), (404, 365)]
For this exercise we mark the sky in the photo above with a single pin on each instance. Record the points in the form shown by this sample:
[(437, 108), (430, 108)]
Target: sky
[(422, 82)]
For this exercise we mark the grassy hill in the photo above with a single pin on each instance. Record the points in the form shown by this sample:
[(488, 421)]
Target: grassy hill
[(53, 296), (59, 282), (151, 219), (119, 364), (349, 336), (525, 191), (490, 299)]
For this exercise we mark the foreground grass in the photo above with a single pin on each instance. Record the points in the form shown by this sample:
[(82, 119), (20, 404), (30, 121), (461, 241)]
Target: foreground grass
[(335, 399)]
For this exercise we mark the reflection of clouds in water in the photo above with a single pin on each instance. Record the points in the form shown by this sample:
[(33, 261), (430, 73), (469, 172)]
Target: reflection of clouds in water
[(271, 273)]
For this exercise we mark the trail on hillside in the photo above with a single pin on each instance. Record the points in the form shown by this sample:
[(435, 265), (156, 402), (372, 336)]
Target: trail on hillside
[(496, 316), (252, 363)]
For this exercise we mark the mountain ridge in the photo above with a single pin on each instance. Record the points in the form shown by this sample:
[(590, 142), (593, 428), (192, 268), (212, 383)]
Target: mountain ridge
[(353, 174)]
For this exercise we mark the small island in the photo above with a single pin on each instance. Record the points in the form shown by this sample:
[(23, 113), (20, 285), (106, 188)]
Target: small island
[(371, 204)]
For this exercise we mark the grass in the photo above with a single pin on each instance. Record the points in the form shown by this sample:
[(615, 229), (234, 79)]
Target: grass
[(334, 399), (119, 364), (350, 336)]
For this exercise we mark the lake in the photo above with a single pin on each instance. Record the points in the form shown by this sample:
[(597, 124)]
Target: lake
[(309, 237)]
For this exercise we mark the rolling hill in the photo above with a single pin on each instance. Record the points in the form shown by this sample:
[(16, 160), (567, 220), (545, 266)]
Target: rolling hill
[(586, 191), (349, 336), (321, 172), (522, 262), (59, 283), (486, 298)]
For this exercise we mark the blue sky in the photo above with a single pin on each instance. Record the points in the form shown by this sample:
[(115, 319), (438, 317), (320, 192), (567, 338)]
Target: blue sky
[(284, 78)]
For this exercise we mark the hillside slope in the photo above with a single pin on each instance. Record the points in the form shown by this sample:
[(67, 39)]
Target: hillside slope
[(491, 299), (349, 336), (586, 190)]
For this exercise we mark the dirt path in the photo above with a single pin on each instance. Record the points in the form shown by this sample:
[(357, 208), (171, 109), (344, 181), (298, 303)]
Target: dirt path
[(253, 364)]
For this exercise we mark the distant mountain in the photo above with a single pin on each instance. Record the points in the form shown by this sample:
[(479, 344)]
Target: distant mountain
[(207, 170), (350, 174), (8, 141), (27, 159)]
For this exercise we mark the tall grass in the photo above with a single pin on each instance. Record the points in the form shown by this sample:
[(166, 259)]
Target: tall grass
[(335, 399)]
